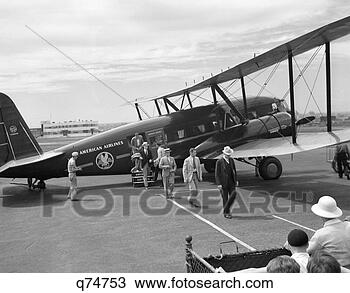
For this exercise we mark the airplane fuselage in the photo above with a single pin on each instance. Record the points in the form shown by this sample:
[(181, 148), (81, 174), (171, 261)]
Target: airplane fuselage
[(109, 153)]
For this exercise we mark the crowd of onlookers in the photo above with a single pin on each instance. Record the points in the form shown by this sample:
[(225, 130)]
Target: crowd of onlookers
[(328, 250)]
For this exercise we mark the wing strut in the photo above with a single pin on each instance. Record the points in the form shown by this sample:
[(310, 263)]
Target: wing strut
[(182, 102), (168, 102), (214, 95), (189, 100), (158, 108), (138, 111), (328, 87), (229, 103), (244, 98), (291, 95)]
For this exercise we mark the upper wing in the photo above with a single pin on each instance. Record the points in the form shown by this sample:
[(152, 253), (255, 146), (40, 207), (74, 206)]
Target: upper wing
[(302, 44), (283, 145)]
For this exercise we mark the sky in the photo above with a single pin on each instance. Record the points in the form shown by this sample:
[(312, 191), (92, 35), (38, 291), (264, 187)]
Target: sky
[(147, 48)]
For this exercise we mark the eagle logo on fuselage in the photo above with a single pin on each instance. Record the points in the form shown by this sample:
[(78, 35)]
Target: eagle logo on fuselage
[(104, 160)]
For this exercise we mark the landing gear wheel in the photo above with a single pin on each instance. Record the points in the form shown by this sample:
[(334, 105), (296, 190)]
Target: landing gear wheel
[(41, 185), (270, 168), (30, 183)]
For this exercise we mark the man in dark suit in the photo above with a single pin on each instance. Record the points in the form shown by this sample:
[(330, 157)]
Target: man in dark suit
[(146, 161), (226, 179), (342, 155)]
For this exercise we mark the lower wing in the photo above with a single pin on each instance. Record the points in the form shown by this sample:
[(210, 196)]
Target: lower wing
[(283, 145)]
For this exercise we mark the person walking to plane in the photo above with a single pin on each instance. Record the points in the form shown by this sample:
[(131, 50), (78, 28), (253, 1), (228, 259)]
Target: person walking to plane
[(342, 156), (192, 173), (72, 169), (168, 166), (226, 179), (160, 154), (136, 144), (146, 161)]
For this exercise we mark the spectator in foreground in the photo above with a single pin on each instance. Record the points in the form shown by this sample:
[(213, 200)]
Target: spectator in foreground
[(283, 264), (322, 262), (297, 243), (334, 237)]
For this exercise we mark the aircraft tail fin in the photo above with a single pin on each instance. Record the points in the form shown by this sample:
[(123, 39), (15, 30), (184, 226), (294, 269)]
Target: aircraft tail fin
[(16, 140)]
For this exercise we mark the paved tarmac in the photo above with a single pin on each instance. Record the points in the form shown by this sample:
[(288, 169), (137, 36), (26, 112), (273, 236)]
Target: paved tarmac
[(117, 228)]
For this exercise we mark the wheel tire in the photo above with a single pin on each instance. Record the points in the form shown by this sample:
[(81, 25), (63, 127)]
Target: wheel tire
[(41, 185), (30, 183), (270, 168), (209, 166)]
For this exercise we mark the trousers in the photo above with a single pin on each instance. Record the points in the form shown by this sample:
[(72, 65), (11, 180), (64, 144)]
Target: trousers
[(168, 183), (228, 197), (193, 186), (73, 185)]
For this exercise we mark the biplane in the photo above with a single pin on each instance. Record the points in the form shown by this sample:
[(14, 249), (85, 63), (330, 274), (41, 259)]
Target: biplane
[(256, 127)]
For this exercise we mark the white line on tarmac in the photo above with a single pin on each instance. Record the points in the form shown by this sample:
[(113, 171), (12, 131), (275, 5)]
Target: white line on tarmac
[(212, 225), (187, 190), (291, 222)]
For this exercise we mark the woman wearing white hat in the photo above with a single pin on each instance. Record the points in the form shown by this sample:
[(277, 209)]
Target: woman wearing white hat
[(334, 237)]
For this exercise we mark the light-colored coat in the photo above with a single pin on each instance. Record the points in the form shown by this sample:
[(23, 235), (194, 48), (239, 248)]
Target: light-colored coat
[(188, 168), (168, 165), (334, 238)]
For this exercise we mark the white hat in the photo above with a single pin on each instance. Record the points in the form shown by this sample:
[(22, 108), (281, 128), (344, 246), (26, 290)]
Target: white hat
[(228, 151), (145, 143), (326, 208), (167, 150), (75, 154)]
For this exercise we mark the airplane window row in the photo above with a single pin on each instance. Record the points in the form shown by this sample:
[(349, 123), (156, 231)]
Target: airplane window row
[(191, 131)]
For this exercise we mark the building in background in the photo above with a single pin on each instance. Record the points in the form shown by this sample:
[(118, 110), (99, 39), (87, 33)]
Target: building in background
[(69, 128)]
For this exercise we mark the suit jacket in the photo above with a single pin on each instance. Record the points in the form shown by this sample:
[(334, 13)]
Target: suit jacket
[(334, 238), (145, 158), (188, 168), (221, 176), (168, 165), (342, 152)]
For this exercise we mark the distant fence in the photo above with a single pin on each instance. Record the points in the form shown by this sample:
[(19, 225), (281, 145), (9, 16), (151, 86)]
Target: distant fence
[(229, 262)]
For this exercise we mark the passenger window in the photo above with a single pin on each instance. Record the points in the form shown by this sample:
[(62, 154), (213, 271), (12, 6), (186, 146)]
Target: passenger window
[(181, 133), (198, 129)]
